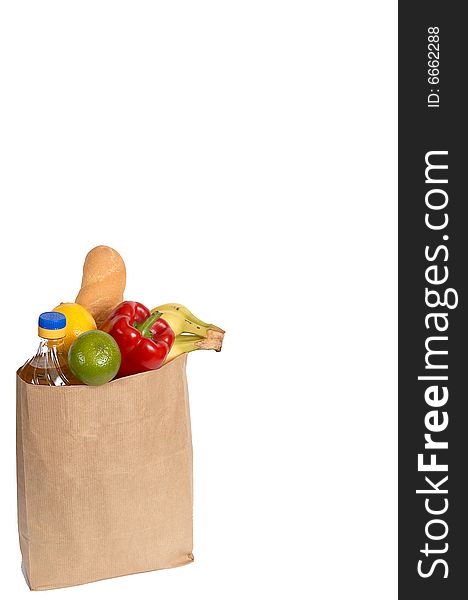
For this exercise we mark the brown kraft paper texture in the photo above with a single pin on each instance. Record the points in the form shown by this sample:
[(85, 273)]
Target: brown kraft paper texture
[(104, 478)]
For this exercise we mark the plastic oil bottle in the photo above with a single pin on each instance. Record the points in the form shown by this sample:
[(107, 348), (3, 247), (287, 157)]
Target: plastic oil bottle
[(49, 366)]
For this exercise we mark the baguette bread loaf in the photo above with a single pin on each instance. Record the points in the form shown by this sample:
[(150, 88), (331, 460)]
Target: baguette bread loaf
[(103, 284)]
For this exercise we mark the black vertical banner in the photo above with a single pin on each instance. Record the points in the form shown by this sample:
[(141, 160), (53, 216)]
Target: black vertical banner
[(433, 271)]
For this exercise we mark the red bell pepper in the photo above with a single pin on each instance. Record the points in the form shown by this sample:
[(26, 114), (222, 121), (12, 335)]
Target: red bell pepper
[(143, 337)]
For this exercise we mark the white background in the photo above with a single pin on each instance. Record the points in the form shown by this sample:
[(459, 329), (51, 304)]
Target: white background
[(241, 156)]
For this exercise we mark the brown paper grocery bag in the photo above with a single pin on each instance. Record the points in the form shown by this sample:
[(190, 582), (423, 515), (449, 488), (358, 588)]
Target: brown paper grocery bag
[(104, 478)]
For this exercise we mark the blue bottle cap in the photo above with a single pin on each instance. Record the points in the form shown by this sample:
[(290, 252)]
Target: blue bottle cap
[(52, 321)]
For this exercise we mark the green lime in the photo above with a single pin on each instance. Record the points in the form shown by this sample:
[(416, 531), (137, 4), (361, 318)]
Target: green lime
[(94, 357)]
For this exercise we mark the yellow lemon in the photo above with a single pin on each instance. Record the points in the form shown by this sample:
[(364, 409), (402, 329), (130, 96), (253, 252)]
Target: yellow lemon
[(79, 320)]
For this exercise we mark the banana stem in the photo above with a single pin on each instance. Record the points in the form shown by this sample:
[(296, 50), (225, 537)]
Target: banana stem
[(188, 315), (212, 327), (203, 330), (214, 334), (188, 343), (209, 344), (195, 328), (180, 323)]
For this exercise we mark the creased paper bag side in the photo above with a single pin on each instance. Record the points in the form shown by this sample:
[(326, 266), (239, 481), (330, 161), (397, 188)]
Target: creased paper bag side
[(105, 478)]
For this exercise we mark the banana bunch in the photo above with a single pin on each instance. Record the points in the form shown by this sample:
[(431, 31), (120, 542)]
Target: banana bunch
[(191, 332)]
